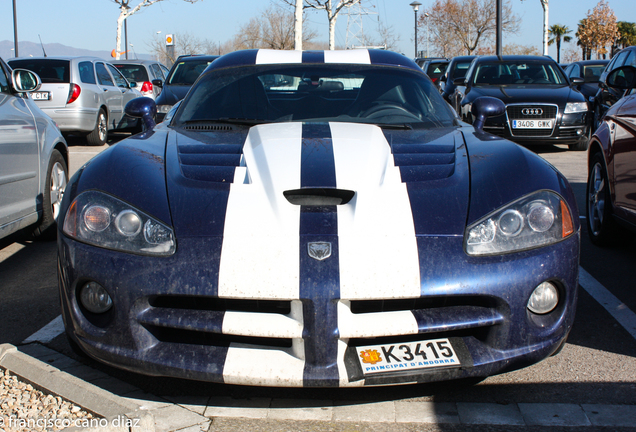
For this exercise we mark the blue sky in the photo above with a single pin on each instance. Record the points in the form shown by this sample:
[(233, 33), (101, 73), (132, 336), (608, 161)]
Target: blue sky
[(91, 24)]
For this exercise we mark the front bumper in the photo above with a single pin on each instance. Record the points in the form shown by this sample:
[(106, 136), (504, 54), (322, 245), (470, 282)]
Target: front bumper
[(165, 323)]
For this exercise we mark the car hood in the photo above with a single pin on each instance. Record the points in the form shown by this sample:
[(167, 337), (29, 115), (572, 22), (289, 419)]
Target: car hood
[(510, 94), (237, 181)]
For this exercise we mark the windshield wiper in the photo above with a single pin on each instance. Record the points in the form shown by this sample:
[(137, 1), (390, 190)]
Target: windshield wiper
[(401, 126)]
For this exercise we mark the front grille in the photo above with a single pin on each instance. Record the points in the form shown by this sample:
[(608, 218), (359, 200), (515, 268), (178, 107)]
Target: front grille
[(220, 304), (200, 321), (515, 112)]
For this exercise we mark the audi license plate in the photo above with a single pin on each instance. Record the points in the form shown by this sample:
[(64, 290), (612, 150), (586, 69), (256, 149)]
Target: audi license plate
[(42, 95), (532, 124), (433, 353)]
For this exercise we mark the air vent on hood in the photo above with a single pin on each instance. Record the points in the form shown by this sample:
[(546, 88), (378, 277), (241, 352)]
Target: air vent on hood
[(208, 127), (210, 162), (319, 196), (424, 162)]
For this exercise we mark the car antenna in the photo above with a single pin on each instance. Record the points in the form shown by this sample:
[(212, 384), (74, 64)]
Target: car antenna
[(42, 45)]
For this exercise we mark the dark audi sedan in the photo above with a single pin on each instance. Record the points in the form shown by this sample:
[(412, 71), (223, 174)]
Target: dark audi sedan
[(543, 106)]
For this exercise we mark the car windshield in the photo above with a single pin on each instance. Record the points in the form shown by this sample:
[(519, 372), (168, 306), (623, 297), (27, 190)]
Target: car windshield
[(187, 72), (50, 71), (132, 72), (316, 93), (518, 72)]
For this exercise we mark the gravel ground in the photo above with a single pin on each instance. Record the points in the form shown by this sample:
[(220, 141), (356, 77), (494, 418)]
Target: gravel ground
[(24, 408)]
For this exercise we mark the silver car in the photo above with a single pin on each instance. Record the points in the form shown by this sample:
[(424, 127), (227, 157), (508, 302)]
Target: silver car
[(33, 158), (84, 95)]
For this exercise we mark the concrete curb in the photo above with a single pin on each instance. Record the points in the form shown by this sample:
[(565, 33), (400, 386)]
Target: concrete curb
[(125, 408), (57, 374)]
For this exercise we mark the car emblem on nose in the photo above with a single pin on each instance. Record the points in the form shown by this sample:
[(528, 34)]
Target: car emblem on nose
[(532, 111), (319, 250)]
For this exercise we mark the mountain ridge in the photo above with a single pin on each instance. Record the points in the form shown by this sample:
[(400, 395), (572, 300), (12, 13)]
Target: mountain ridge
[(34, 49)]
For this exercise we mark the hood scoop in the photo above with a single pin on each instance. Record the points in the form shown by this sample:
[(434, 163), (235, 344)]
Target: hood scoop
[(319, 196)]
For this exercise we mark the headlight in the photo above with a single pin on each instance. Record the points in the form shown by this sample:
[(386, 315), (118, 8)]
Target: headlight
[(575, 107), (536, 220), (102, 220), (163, 108)]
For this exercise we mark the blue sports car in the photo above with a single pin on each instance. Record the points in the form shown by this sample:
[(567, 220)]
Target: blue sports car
[(317, 219)]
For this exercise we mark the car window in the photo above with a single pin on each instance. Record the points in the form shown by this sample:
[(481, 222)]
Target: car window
[(186, 73), (87, 72), (50, 71), (631, 60), (592, 73), (156, 71), (165, 71), (4, 81), (574, 71), (620, 59), (118, 77), (132, 72), (102, 75), (319, 93), (518, 72)]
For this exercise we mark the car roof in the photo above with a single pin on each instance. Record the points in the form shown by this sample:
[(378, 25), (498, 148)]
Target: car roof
[(506, 58), (586, 62), (253, 57), (195, 57), (92, 58), (134, 61)]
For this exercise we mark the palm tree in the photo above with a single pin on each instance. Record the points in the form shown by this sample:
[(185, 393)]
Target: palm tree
[(559, 32), (628, 33)]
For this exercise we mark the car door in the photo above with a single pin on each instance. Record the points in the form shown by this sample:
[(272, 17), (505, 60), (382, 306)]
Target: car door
[(19, 167), (111, 95), (625, 155)]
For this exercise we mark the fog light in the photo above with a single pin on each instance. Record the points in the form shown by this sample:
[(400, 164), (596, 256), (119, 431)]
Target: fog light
[(544, 299), (95, 298)]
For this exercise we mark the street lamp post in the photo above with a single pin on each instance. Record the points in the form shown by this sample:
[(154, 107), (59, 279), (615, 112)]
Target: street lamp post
[(15, 30), (427, 18), (416, 6)]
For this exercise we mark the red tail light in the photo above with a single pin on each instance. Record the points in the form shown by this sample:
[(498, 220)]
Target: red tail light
[(146, 87), (73, 93)]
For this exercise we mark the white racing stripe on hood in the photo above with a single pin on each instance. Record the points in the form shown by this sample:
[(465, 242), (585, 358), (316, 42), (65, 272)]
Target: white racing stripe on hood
[(265, 56), (356, 56), (259, 257), (376, 235)]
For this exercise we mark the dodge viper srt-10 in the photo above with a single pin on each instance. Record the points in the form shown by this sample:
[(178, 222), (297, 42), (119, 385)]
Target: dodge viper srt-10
[(314, 219)]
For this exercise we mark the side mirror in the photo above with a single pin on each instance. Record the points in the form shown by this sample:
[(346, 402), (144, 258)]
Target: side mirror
[(484, 107), (157, 82), (133, 84), (577, 80), (459, 81), (144, 108), (622, 78), (25, 81)]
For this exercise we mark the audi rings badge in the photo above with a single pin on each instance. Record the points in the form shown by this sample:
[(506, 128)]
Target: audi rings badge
[(532, 111)]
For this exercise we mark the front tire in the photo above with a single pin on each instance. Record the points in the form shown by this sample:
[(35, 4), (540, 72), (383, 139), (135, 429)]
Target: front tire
[(99, 135), (601, 226), (56, 181)]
